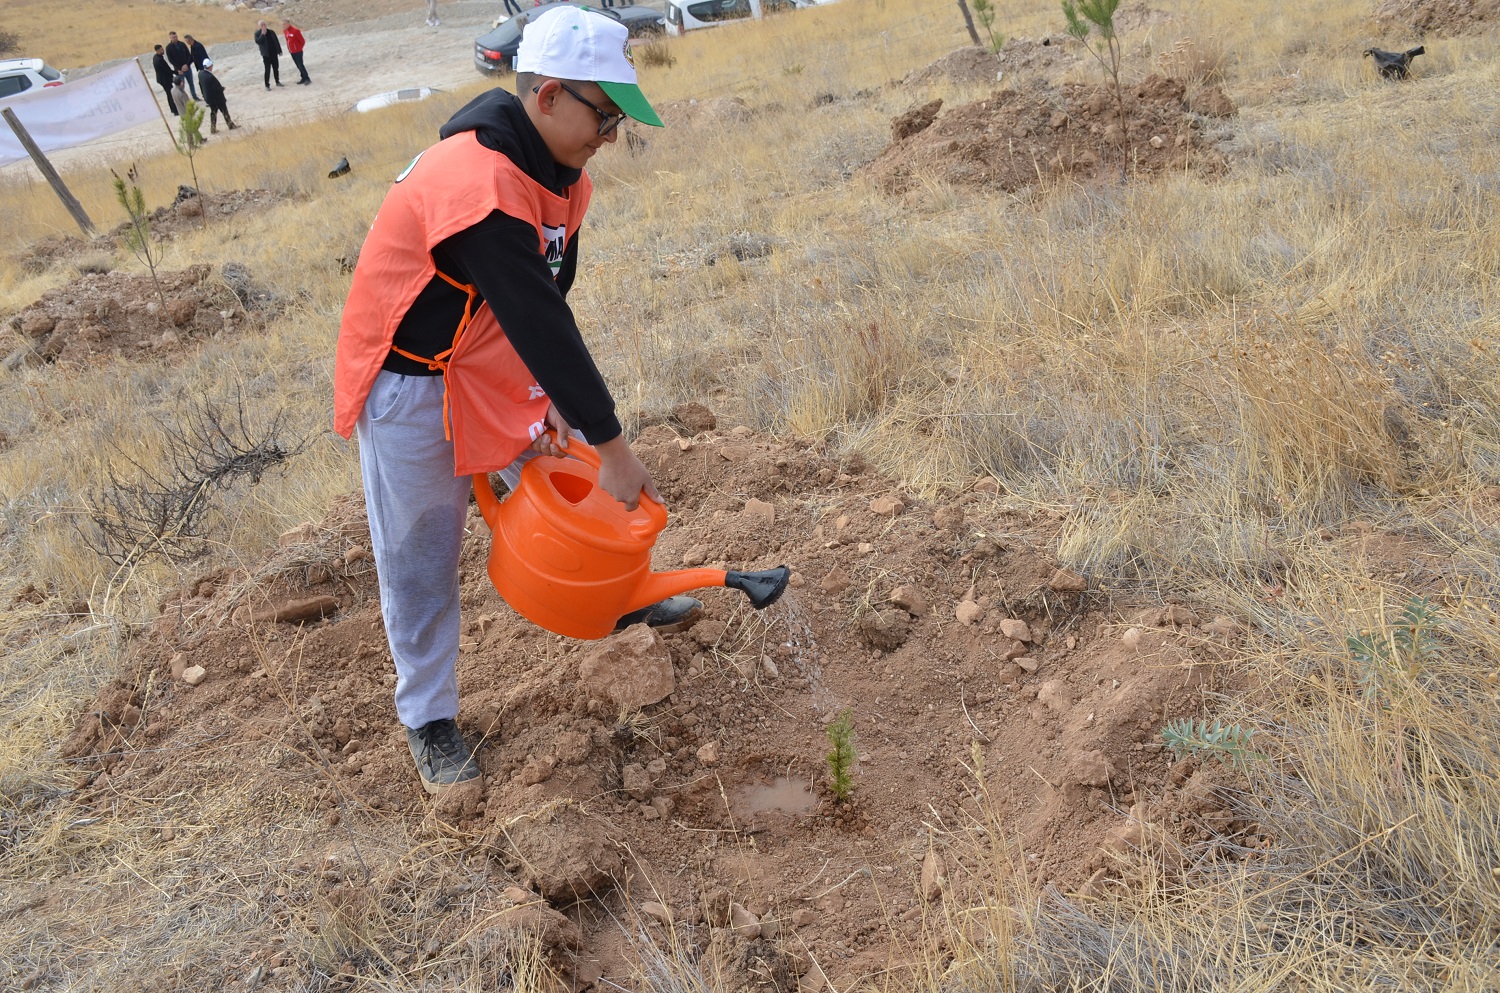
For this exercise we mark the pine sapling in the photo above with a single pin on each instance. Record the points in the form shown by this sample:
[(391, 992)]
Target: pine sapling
[(138, 236), (841, 758), (189, 140), (1099, 16), (984, 13)]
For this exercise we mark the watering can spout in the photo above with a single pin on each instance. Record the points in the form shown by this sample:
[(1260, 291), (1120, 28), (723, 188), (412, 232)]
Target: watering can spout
[(763, 588)]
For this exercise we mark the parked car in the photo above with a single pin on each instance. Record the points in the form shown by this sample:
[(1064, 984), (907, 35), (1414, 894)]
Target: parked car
[(19, 76), (685, 15), (495, 50), (642, 21)]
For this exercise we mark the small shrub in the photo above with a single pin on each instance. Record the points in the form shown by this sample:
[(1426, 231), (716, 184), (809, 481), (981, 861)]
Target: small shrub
[(138, 236), (984, 13), (655, 53), (1227, 743), (10, 42)]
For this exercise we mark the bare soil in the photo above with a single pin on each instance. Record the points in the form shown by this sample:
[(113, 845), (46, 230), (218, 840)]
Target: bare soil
[(1017, 138), (946, 629), (1439, 18)]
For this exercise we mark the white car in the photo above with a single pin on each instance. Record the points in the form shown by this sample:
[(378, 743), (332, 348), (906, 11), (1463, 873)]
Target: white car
[(19, 76)]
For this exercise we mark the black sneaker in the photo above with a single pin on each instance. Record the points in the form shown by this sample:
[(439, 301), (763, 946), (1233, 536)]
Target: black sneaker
[(442, 756), (672, 614)]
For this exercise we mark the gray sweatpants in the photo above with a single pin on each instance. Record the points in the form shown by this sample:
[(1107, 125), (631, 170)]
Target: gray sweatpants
[(417, 509)]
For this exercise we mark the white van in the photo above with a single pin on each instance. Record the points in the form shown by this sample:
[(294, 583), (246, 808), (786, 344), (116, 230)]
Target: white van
[(685, 15)]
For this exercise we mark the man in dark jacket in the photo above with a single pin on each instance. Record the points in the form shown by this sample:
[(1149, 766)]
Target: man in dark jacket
[(270, 52), (197, 54), (164, 77), (213, 95), (574, 86), (181, 58)]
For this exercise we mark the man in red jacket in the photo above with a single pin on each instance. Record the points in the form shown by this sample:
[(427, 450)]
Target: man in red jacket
[(295, 43)]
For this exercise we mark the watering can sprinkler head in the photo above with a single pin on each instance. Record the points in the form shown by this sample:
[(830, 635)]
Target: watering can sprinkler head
[(763, 588)]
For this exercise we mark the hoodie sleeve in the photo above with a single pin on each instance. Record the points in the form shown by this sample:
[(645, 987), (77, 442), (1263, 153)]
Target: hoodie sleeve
[(499, 257)]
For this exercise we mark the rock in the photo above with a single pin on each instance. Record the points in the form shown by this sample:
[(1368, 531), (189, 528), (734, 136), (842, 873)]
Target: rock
[(354, 554), (1017, 629), (656, 911), (292, 611), (1054, 695), (178, 664), (886, 630), (949, 518), (932, 876), (716, 908), (636, 781), (708, 632), (968, 612), (760, 510), (802, 917), (986, 484), (1091, 768), (318, 573), (836, 582), (631, 670), (1180, 616), (1026, 664), (1132, 637), (910, 599), (708, 754), (741, 431), (1065, 580), (1222, 627), (814, 980), (566, 855), (886, 506), (1157, 141), (538, 770), (744, 923), (194, 674)]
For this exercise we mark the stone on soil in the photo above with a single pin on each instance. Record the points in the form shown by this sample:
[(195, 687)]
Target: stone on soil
[(745, 924), (1017, 629), (632, 669), (910, 599), (194, 674)]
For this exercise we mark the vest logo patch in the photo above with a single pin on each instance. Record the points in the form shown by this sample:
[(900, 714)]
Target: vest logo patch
[(410, 166), (557, 243)]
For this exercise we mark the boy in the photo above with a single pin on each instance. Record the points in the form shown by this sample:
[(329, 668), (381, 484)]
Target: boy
[(456, 324)]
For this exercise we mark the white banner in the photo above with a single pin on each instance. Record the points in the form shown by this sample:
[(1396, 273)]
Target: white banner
[(78, 112)]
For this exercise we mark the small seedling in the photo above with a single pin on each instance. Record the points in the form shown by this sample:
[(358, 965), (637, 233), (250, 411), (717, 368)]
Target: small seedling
[(189, 140), (138, 237), (1228, 743), (841, 758), (1085, 16), (984, 13)]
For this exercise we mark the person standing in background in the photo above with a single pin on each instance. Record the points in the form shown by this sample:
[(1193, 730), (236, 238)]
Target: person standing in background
[(432, 18), (270, 52), (213, 95), (197, 54), (181, 60), (295, 43), (165, 77)]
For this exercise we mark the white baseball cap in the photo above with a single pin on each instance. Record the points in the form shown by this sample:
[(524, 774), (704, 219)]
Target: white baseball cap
[(578, 43), (208, 63)]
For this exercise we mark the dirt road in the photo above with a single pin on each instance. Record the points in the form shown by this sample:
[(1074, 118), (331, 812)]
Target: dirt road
[(346, 62)]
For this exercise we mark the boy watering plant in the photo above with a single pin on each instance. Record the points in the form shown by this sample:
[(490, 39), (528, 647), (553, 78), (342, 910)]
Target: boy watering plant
[(458, 349)]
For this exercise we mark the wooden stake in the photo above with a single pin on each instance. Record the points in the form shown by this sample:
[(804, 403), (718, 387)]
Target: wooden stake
[(50, 174)]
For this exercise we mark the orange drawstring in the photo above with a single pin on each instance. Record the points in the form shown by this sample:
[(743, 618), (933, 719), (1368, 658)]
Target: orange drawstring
[(439, 362)]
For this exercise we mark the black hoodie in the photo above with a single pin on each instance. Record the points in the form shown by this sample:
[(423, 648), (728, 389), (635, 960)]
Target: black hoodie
[(499, 257)]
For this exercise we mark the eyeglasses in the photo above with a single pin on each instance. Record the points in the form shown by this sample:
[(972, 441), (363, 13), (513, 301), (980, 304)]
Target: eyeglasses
[(607, 122)]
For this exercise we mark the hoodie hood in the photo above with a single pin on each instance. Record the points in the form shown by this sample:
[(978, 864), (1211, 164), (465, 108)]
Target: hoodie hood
[(499, 121)]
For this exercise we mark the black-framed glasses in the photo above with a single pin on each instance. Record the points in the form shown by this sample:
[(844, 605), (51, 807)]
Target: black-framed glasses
[(607, 122)]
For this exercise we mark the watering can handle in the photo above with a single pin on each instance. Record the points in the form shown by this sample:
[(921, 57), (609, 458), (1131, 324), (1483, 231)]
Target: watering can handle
[(588, 455)]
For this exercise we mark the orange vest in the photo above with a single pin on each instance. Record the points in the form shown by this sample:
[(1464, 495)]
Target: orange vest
[(494, 406)]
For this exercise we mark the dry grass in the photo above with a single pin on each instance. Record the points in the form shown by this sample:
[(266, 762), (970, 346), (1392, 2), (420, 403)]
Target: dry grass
[(1208, 378)]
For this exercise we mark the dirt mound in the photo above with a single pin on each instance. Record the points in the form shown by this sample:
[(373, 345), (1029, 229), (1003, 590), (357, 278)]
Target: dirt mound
[(1013, 139), (946, 631), (136, 316), (1439, 18)]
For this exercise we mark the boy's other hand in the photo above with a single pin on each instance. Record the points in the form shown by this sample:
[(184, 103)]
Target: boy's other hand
[(622, 475)]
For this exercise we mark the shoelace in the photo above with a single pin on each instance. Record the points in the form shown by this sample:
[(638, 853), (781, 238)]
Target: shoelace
[(443, 739)]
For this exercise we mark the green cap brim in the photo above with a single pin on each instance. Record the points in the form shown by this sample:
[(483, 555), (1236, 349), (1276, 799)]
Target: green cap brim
[(629, 98)]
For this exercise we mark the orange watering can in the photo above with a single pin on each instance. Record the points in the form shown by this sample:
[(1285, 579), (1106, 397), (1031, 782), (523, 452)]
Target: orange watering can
[(569, 557)]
